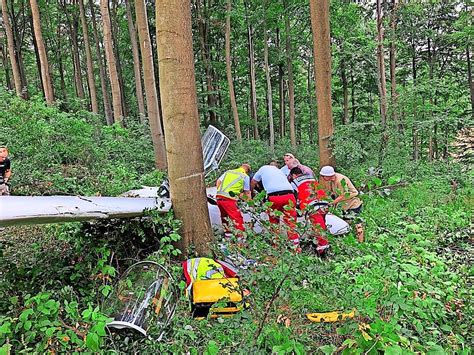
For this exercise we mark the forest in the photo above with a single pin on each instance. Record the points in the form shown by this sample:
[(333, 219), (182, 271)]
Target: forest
[(100, 97)]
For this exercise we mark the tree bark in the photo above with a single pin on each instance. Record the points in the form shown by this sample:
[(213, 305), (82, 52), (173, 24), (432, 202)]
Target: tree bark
[(393, 78), (115, 29), (111, 64), (179, 99), (150, 85), (345, 91), (8, 81), (281, 88), (322, 69), (73, 24), (203, 26), (103, 78), (90, 66), (230, 81), (37, 56), (45, 75), (59, 58), (253, 90), (269, 82), (353, 100), (469, 78), (382, 83), (11, 50), (136, 62), (291, 84)]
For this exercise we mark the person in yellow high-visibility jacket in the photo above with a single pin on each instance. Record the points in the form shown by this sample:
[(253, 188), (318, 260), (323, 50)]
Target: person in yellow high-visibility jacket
[(230, 186)]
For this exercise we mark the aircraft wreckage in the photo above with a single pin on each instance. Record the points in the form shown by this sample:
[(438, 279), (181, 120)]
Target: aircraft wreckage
[(18, 210)]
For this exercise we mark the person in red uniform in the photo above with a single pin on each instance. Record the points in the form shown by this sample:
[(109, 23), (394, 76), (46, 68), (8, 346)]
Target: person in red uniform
[(280, 194), (309, 193), (230, 186)]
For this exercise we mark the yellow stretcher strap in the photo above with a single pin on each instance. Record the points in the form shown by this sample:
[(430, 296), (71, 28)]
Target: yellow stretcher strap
[(330, 317), (214, 290)]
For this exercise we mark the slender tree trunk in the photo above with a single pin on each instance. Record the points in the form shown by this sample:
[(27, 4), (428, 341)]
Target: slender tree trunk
[(469, 78), (150, 85), (269, 82), (103, 78), (136, 62), (413, 61), (59, 59), (11, 50), (382, 84), (115, 29), (181, 119), (18, 35), (73, 24), (38, 60), (90, 66), (230, 81), (353, 100), (253, 90), (111, 64), (345, 91), (8, 81), (291, 85), (203, 41), (281, 88), (322, 68), (45, 75), (393, 78)]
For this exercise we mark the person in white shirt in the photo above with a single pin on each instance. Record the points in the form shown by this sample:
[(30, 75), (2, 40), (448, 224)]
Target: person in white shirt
[(280, 194)]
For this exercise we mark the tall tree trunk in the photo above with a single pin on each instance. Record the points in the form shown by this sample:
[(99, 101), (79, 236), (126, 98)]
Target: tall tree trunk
[(382, 83), (181, 119), (18, 35), (59, 59), (469, 78), (111, 64), (136, 62), (150, 85), (345, 91), (73, 24), (45, 75), (8, 81), (322, 69), (11, 50), (203, 26), (103, 78), (353, 100), (269, 82), (230, 81), (253, 90), (90, 66), (115, 29), (393, 78), (37, 56), (281, 88), (291, 84)]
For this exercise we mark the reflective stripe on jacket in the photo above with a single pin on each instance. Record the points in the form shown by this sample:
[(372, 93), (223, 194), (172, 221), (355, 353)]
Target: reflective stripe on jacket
[(232, 184)]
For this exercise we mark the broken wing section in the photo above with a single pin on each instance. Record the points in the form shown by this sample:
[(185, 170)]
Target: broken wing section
[(51, 209)]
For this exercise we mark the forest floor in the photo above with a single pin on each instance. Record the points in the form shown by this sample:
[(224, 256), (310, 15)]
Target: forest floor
[(409, 282)]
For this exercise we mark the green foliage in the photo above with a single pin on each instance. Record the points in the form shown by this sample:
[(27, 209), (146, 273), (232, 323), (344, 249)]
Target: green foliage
[(54, 152)]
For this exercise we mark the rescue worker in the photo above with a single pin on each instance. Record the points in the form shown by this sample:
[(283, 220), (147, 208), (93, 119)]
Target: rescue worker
[(280, 194), (5, 171), (309, 194), (230, 186), (291, 162), (342, 191)]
